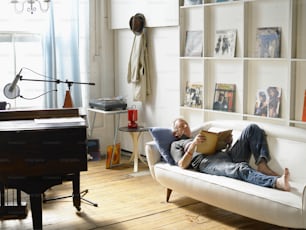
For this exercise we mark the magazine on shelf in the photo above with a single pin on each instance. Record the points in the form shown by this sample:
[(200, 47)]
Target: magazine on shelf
[(215, 138), (224, 98), (194, 44), (192, 2), (268, 102), (261, 104), (225, 43), (193, 95), (304, 108), (268, 42)]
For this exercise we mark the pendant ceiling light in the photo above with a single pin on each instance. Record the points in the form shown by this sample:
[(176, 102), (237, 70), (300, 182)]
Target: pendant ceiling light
[(20, 5)]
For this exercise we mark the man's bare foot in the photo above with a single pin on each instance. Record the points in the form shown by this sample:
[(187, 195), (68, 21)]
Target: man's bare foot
[(264, 168), (282, 183)]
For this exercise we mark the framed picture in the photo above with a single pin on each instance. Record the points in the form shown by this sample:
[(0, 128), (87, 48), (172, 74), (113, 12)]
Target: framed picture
[(268, 41), (225, 43), (194, 95), (194, 44), (192, 2)]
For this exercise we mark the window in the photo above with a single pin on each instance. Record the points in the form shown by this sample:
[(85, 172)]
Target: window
[(22, 50), (53, 45)]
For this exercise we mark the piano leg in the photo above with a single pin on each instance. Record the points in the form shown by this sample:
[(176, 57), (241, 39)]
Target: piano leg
[(76, 191), (2, 195), (36, 208)]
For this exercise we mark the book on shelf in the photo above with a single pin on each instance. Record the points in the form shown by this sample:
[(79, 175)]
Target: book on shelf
[(268, 102), (304, 108), (193, 95), (192, 2), (224, 98), (194, 44), (225, 43), (215, 140), (268, 42)]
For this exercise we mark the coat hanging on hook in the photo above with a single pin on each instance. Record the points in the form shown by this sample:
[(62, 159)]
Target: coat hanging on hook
[(138, 66)]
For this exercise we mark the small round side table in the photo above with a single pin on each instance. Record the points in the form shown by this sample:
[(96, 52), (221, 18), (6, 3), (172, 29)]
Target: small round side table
[(135, 134)]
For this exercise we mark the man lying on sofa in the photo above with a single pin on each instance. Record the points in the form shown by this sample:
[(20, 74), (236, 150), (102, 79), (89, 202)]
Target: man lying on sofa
[(233, 162)]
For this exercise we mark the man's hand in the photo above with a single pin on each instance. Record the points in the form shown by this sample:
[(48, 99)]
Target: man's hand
[(199, 139), (184, 162), (225, 144)]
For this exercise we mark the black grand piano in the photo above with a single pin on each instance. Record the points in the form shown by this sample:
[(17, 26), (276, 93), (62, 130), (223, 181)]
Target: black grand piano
[(38, 148)]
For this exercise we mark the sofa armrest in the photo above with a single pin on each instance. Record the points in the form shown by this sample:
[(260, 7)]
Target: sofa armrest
[(153, 156)]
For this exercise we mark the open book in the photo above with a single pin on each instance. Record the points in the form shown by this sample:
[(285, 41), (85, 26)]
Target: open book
[(213, 137)]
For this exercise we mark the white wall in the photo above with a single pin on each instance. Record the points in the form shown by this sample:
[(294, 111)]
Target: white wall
[(101, 69), (162, 20), (109, 64), (162, 106)]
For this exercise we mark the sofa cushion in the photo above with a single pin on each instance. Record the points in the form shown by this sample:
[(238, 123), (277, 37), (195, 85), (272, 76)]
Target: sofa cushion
[(163, 138)]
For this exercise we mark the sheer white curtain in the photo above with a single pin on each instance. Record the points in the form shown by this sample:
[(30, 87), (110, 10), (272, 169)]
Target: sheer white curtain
[(21, 46), (66, 50)]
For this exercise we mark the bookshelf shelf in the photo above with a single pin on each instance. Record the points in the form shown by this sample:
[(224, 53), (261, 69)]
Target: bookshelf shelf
[(249, 72)]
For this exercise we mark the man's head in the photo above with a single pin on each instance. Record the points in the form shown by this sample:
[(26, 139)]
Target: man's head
[(180, 128)]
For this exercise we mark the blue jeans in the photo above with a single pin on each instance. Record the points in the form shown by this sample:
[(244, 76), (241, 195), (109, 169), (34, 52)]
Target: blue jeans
[(234, 163)]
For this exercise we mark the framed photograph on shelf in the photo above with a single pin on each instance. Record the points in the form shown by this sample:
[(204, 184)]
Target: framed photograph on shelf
[(268, 42), (225, 43), (268, 102), (192, 2), (224, 98), (194, 44), (193, 95)]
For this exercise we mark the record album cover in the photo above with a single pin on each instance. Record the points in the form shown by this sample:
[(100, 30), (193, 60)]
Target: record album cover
[(194, 44), (268, 42), (225, 43), (224, 98), (193, 95)]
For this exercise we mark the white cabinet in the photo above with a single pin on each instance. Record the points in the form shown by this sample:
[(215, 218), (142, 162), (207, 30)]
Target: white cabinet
[(245, 69)]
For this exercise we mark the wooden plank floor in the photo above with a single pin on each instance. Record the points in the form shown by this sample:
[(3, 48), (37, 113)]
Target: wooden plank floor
[(128, 200)]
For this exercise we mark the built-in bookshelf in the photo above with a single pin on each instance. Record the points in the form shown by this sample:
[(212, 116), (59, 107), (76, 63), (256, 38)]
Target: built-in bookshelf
[(249, 71)]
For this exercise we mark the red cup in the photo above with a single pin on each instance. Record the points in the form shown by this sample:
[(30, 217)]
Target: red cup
[(132, 118)]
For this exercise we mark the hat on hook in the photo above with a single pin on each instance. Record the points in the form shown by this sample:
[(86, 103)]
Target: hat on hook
[(137, 23)]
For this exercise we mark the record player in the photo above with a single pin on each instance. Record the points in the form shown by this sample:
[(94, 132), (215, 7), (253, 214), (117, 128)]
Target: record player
[(108, 104)]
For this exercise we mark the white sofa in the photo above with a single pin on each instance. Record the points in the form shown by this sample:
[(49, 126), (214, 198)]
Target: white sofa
[(288, 149)]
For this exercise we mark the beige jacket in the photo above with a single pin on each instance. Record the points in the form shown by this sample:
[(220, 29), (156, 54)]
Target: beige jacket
[(138, 68)]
